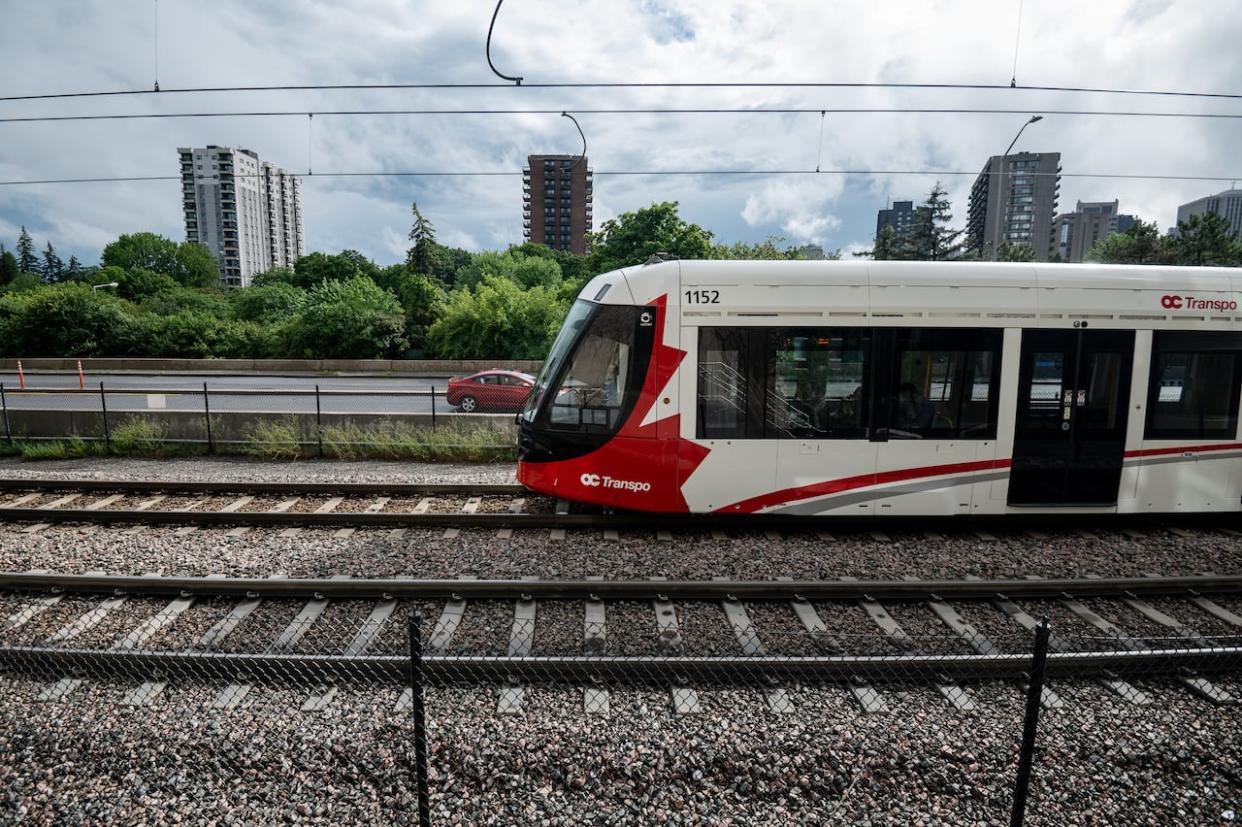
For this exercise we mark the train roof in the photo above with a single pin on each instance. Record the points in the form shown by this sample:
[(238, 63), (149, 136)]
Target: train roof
[(936, 289)]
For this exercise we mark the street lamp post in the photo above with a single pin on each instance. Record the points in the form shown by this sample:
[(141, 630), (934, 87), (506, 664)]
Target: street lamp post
[(105, 284), (1000, 184)]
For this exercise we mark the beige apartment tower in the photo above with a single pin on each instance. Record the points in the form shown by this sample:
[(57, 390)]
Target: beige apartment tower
[(246, 211)]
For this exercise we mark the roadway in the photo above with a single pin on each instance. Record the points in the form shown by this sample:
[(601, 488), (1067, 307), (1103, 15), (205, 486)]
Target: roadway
[(126, 392)]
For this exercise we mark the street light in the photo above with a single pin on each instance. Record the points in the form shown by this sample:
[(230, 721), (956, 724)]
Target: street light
[(1000, 183), (105, 284)]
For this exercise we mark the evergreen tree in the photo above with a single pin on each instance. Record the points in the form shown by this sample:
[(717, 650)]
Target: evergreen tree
[(8, 266), (421, 258), (53, 267), (1141, 244), (74, 269), (1205, 241), (929, 237), (27, 261), (887, 246)]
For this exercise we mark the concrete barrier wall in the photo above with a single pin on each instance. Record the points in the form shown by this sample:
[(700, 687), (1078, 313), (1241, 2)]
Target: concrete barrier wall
[(226, 426), (407, 367)]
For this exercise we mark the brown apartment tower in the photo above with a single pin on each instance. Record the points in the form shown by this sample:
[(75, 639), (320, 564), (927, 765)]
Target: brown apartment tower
[(556, 201)]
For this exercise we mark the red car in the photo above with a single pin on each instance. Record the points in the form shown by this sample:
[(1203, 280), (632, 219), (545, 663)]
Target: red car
[(491, 390)]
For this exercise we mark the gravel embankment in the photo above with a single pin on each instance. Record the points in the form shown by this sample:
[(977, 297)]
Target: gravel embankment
[(316, 552), (1103, 760)]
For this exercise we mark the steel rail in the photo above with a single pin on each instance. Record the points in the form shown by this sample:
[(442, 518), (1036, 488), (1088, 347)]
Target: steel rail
[(243, 487), (693, 522), (364, 588), (49, 662)]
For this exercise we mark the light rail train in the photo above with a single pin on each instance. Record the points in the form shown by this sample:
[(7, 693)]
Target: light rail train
[(893, 388)]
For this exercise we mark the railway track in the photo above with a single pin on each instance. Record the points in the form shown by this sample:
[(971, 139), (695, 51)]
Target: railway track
[(39, 504), (64, 629)]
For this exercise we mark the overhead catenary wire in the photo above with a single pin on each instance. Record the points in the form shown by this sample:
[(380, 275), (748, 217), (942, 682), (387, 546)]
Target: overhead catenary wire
[(355, 87), (636, 172), (717, 110)]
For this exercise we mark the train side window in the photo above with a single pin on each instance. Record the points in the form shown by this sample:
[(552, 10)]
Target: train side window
[(1194, 386), (722, 397), (815, 383), (944, 384)]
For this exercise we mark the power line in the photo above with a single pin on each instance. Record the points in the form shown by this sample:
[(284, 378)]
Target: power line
[(649, 172), (738, 110), (329, 87)]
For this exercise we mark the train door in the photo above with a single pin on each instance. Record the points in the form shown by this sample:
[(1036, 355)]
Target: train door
[(1070, 430)]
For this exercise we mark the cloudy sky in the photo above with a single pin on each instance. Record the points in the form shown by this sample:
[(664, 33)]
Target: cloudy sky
[(69, 45)]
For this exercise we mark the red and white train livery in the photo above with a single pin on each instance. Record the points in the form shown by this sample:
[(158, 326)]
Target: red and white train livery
[(893, 388)]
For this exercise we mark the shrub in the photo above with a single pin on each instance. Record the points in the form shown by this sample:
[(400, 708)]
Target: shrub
[(136, 435), (274, 440), (392, 440)]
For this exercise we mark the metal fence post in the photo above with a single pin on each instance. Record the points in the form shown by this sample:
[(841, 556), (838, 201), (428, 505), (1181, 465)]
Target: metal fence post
[(4, 403), (211, 446), (1033, 697), (103, 406), (417, 704), (433, 407), (318, 422)]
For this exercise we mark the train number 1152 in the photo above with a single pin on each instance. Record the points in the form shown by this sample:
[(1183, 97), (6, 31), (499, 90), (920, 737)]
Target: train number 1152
[(702, 297)]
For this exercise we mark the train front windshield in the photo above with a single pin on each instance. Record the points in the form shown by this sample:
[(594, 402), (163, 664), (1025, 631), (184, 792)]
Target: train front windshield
[(588, 381)]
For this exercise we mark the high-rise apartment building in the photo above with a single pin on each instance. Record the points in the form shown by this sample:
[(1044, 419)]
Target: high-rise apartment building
[(899, 216), (1227, 204), (556, 201), (246, 211), (1076, 233), (1014, 199)]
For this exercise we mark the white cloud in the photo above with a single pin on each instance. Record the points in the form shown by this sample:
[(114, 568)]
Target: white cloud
[(1145, 44), (799, 207)]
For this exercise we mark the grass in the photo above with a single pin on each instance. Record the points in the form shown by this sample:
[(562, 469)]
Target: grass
[(282, 440), (450, 443), (274, 440)]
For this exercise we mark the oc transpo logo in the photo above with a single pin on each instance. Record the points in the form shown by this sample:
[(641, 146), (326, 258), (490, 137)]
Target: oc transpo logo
[(605, 481), (1172, 302)]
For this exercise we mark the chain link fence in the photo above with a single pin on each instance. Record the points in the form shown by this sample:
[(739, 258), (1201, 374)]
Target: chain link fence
[(428, 422), (264, 711)]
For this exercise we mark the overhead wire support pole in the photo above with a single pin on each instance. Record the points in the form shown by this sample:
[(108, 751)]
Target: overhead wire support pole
[(581, 134), (517, 81), (819, 156), (156, 49)]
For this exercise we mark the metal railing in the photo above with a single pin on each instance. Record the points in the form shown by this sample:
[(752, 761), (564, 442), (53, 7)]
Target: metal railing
[(203, 415)]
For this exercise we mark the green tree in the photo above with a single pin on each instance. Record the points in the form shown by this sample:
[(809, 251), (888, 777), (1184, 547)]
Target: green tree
[(929, 237), (524, 270), (183, 300), (315, 269), (53, 268), (74, 270), (189, 334), (423, 254), (353, 319), (70, 319), (27, 261), (886, 247), (1009, 251), (191, 265), (1206, 240), (137, 284), (423, 300), (8, 266), (634, 237), (1141, 244), (448, 260), (268, 303), (497, 320)]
